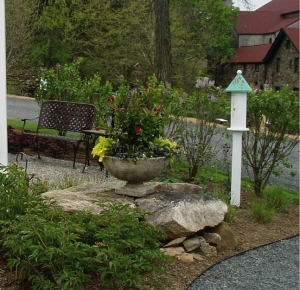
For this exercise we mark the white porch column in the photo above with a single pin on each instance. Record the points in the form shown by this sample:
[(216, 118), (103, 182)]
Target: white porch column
[(3, 102)]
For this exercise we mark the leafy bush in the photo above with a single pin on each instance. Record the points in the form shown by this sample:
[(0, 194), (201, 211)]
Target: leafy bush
[(64, 82), (57, 250), (267, 146), (14, 194), (195, 136)]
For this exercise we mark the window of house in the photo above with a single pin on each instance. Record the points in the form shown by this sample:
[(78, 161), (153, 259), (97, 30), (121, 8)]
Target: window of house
[(256, 67), (244, 68), (296, 65), (270, 40), (288, 44), (277, 64)]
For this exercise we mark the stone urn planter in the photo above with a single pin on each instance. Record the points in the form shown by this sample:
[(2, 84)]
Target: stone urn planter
[(135, 172)]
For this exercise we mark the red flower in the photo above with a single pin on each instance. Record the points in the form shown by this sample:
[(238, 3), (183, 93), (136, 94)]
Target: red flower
[(137, 130), (147, 87), (97, 128), (158, 110), (177, 147), (110, 99)]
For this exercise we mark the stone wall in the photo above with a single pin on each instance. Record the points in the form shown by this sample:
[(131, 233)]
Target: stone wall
[(23, 82), (286, 74)]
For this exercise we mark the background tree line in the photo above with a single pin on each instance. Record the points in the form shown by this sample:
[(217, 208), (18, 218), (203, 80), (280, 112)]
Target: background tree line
[(172, 39)]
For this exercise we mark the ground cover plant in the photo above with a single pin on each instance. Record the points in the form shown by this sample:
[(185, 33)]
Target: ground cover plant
[(64, 251)]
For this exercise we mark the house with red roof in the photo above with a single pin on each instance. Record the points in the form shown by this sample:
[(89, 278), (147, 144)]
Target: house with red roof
[(266, 43)]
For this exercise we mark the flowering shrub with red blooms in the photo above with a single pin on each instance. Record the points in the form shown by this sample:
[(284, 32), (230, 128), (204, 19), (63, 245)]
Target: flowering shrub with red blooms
[(139, 117)]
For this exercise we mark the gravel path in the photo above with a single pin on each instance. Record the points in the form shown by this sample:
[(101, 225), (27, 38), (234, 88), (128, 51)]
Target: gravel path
[(58, 172), (274, 266)]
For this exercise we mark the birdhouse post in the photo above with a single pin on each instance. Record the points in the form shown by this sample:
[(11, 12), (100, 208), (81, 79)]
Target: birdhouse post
[(238, 89)]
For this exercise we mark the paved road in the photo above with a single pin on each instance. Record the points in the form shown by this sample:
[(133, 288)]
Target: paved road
[(27, 108), (22, 108)]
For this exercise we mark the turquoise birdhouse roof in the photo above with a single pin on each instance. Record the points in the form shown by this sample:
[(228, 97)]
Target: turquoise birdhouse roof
[(238, 84)]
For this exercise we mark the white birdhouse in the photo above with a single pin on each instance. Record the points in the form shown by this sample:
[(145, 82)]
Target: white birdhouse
[(238, 89)]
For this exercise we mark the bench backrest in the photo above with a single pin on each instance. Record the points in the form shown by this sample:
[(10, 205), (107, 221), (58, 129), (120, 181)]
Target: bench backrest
[(67, 116)]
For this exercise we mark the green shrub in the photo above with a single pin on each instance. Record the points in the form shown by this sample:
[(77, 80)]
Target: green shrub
[(38, 186), (50, 253), (14, 194), (57, 250), (262, 212), (63, 251), (277, 198)]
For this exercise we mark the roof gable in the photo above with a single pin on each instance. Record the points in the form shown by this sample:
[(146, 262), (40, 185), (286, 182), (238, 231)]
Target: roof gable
[(283, 6), (291, 33), (251, 54)]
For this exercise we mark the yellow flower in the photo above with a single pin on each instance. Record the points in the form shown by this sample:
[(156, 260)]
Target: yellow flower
[(103, 147)]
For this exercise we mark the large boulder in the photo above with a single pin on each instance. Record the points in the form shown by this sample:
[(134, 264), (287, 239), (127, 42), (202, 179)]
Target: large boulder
[(181, 210)]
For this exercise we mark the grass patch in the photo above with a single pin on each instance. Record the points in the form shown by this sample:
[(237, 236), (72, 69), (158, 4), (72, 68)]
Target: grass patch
[(275, 199), (278, 198), (18, 125), (31, 126), (261, 211)]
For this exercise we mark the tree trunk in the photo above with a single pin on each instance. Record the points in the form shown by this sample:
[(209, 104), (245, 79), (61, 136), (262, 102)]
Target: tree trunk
[(162, 40)]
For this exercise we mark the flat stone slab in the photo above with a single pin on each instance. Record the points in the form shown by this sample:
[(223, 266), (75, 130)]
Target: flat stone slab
[(180, 209)]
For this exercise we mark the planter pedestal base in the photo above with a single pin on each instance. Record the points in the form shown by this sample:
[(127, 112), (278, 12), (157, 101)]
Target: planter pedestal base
[(135, 190)]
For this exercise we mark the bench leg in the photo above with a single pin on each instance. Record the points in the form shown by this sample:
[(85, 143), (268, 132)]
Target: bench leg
[(75, 149), (38, 147)]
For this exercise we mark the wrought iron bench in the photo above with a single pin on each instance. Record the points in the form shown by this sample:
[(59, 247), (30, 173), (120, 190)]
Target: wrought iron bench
[(63, 117)]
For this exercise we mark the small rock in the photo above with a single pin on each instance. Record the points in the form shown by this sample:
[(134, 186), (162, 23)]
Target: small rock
[(228, 238), (186, 258), (191, 244), (209, 251), (212, 238), (173, 252), (198, 257), (175, 243), (202, 241)]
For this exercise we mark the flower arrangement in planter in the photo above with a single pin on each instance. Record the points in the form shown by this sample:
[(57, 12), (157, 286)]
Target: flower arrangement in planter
[(139, 116), (135, 150)]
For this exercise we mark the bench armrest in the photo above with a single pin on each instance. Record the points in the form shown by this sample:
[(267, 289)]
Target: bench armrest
[(25, 120)]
